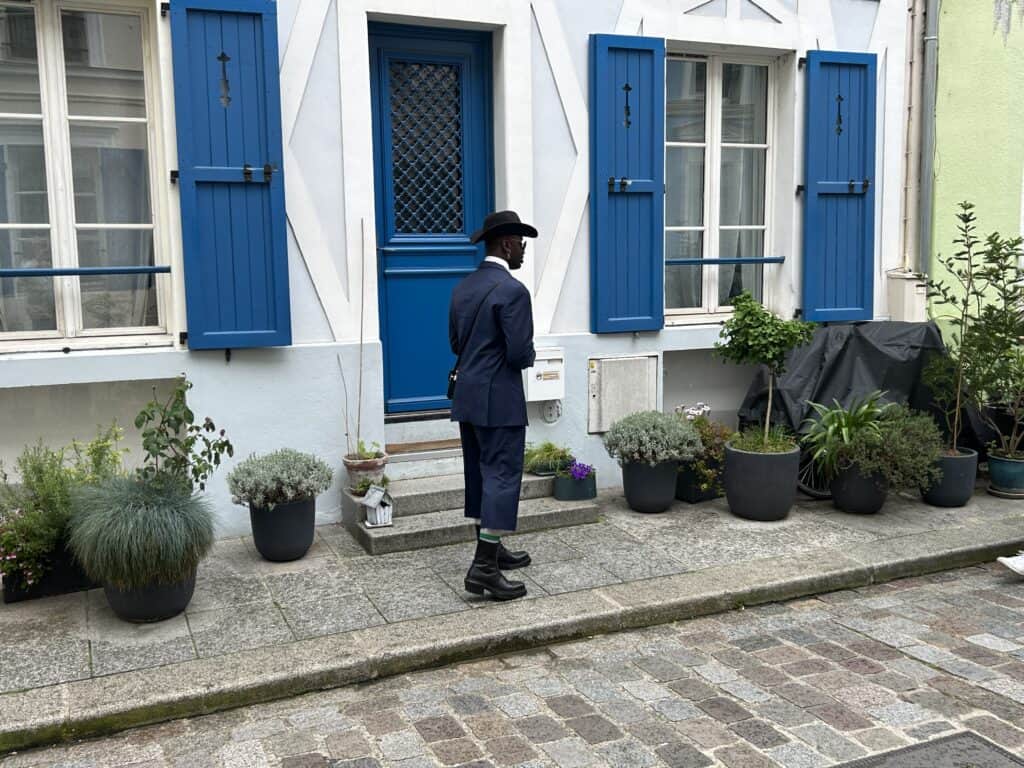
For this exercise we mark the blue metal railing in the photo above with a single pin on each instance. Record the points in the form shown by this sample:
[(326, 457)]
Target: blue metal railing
[(83, 271), (737, 260)]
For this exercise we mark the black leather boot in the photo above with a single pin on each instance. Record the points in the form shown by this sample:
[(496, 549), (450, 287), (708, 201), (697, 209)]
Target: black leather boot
[(485, 577), (507, 559)]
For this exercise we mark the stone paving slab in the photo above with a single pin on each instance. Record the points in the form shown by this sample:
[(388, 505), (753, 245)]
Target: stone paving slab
[(781, 685), (260, 630)]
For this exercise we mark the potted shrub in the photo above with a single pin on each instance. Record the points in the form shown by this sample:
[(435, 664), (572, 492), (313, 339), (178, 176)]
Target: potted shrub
[(945, 375), (34, 515), (142, 536), (280, 490), (546, 459), (761, 465), (575, 482), (649, 446), (995, 372), (868, 449), (700, 479), (365, 465)]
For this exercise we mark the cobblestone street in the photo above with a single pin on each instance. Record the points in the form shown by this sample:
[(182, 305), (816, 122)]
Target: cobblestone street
[(813, 682)]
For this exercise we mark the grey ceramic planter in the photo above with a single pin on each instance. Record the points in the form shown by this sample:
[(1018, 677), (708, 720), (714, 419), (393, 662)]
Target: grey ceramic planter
[(284, 532), (761, 486)]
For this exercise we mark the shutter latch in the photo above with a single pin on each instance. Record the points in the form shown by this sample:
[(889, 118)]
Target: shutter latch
[(867, 183), (268, 170), (247, 172)]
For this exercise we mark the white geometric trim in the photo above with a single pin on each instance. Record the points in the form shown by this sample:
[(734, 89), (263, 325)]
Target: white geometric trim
[(307, 229), (570, 217)]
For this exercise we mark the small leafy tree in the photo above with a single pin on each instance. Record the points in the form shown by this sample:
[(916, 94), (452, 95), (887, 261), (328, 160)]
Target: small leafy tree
[(963, 295), (996, 373), (983, 293), (755, 336), (177, 449)]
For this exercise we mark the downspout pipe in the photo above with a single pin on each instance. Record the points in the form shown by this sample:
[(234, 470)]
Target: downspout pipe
[(912, 156), (926, 198)]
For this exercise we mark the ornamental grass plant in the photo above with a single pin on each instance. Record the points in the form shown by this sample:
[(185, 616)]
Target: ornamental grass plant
[(276, 478), (652, 437), (151, 527), (130, 534)]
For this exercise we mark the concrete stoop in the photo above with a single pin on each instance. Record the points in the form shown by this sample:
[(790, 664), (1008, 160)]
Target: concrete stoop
[(428, 513), (106, 704)]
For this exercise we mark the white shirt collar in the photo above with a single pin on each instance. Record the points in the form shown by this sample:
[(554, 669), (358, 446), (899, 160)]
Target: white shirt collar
[(498, 260)]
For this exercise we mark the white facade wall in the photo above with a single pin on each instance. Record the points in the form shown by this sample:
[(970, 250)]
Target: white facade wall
[(296, 396)]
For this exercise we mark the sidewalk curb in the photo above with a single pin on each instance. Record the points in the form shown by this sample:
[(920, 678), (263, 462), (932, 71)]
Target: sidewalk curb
[(99, 706)]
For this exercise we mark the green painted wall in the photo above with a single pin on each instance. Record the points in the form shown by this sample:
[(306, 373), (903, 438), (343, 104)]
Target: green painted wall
[(979, 131)]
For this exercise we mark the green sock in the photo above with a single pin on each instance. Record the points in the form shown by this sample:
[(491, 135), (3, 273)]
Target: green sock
[(490, 538)]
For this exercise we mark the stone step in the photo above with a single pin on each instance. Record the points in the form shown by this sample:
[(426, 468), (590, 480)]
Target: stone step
[(434, 529), (424, 495), (417, 496), (424, 464)]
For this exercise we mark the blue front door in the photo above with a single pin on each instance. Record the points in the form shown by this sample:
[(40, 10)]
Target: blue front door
[(432, 152)]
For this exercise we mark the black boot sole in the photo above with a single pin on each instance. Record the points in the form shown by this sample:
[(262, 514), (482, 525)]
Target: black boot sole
[(477, 588), (513, 566)]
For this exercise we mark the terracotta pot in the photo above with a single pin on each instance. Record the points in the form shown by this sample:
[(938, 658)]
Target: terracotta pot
[(361, 469)]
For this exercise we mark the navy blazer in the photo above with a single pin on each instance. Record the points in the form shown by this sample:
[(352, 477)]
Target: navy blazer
[(489, 388)]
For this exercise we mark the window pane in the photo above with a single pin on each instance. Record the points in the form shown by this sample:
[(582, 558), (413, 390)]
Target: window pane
[(742, 183), (683, 288), (744, 103), (733, 279), (26, 303), (686, 86), (103, 61), (117, 301), (22, 173), (684, 181), (19, 64), (111, 176)]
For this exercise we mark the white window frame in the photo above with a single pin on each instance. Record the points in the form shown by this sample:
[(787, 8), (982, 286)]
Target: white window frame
[(56, 123), (710, 310)]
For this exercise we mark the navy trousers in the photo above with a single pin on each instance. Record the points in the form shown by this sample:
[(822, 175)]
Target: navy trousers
[(492, 459)]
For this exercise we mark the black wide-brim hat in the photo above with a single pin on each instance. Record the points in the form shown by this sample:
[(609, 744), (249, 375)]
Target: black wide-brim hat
[(502, 223)]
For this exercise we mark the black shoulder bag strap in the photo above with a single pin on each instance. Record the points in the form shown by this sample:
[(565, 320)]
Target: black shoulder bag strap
[(453, 374)]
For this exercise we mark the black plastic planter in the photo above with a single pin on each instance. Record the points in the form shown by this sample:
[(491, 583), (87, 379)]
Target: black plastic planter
[(650, 489), (284, 532), (956, 487), (688, 483), (761, 486), (64, 575), (568, 489), (853, 492), (155, 602)]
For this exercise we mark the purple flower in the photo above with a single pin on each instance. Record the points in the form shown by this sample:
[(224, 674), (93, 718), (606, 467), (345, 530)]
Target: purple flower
[(580, 471)]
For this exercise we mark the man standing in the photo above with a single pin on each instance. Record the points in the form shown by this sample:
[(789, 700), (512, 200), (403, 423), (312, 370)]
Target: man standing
[(490, 326)]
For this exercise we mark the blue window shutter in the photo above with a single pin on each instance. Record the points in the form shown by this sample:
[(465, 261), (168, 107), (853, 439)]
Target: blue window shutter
[(627, 142), (228, 110), (839, 211)]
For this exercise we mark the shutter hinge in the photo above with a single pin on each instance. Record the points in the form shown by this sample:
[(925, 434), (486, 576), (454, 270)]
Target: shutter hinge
[(183, 338), (174, 177), (801, 62), (799, 189), (798, 313), (165, 9), (268, 170)]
